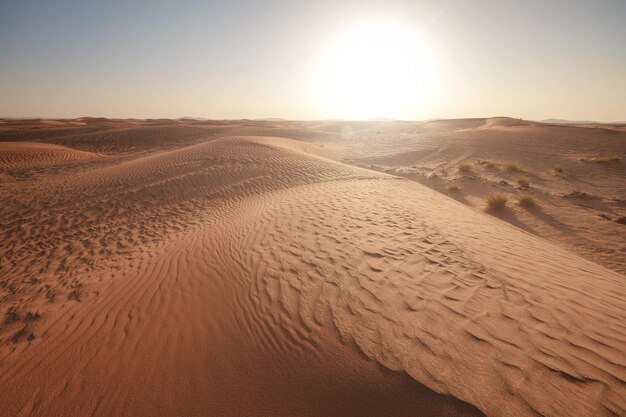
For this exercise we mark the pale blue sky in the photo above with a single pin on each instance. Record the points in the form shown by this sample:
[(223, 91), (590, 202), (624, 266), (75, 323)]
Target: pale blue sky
[(236, 59)]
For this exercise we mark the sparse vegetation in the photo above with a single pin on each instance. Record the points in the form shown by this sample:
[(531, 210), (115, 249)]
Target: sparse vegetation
[(512, 167), (558, 169), (523, 183), (526, 200), (578, 194), (496, 201), (606, 160), (465, 168), (453, 187)]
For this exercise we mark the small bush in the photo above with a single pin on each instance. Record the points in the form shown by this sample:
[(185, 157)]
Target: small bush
[(558, 169), (496, 201), (606, 160), (526, 200), (490, 164), (523, 183), (452, 186), (465, 168), (512, 167)]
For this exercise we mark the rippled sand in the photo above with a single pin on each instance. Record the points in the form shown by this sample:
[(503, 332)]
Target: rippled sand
[(285, 268)]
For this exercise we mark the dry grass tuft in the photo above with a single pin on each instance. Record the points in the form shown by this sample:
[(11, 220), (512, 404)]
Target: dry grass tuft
[(558, 169), (526, 200), (496, 201), (490, 164), (606, 160), (523, 183), (453, 186), (465, 168), (511, 167)]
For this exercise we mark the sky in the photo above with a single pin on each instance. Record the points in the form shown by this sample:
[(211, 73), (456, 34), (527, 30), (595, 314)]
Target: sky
[(410, 60)]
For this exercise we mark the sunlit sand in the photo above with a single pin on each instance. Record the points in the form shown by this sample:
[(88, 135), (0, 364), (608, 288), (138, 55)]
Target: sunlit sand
[(288, 268)]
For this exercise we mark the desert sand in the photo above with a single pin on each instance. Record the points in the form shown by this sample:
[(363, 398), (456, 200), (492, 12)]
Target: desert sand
[(285, 268)]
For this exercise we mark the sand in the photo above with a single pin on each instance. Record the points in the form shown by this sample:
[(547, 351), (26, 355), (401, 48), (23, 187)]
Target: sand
[(280, 268)]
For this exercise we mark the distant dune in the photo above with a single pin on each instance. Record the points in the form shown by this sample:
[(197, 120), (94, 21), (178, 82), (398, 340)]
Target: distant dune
[(284, 268), (21, 156), (579, 122)]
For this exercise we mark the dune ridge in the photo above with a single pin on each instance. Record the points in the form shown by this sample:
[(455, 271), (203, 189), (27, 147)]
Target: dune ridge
[(246, 276), (19, 156)]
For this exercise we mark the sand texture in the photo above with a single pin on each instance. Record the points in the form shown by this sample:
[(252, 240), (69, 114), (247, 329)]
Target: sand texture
[(277, 268)]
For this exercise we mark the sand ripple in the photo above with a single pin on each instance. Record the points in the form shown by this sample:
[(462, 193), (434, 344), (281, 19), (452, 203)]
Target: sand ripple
[(242, 276)]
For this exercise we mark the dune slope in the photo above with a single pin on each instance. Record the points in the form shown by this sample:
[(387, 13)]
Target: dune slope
[(20, 156), (242, 276)]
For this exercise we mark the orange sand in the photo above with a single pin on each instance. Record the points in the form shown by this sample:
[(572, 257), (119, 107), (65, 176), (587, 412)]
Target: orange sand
[(169, 268)]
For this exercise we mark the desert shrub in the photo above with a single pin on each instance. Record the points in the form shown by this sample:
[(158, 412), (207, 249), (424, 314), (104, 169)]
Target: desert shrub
[(523, 183), (465, 168), (489, 164), (452, 186), (511, 167), (558, 169), (606, 160), (526, 200), (496, 201)]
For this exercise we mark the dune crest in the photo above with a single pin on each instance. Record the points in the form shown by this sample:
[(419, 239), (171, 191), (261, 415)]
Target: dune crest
[(16, 156)]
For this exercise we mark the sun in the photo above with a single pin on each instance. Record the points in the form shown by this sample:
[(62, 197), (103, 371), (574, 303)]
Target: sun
[(374, 68)]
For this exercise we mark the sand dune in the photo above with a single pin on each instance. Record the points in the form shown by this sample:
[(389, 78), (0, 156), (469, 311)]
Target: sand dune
[(432, 152), (210, 273), (22, 156)]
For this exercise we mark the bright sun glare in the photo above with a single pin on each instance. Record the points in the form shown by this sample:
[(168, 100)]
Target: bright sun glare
[(373, 69)]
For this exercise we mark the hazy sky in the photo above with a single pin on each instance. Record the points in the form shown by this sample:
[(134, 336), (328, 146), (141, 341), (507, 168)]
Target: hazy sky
[(233, 59)]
